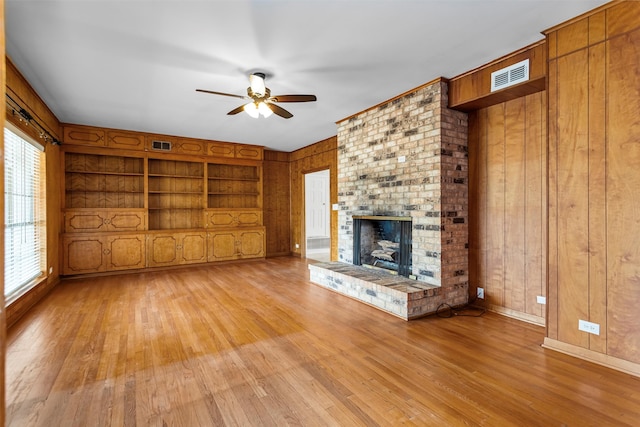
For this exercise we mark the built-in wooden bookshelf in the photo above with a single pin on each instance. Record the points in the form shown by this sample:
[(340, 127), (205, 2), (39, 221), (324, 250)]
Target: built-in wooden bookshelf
[(129, 205), (96, 181), (233, 186), (176, 190)]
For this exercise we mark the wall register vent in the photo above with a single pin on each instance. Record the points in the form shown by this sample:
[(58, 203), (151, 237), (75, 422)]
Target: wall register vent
[(509, 76), (161, 145)]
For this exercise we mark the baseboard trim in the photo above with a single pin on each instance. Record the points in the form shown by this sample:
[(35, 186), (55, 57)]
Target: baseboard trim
[(18, 308), (593, 356), (518, 315)]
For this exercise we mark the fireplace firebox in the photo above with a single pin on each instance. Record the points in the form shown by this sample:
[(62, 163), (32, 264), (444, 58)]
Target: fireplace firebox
[(383, 242)]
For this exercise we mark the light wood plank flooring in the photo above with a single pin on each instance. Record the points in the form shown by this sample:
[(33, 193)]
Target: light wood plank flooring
[(257, 344)]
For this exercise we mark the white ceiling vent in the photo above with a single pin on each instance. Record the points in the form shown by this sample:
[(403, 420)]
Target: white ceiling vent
[(509, 76), (161, 145)]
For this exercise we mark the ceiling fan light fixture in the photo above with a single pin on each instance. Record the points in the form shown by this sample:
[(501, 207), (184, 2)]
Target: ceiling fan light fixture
[(264, 110), (256, 81), (252, 110), (262, 103)]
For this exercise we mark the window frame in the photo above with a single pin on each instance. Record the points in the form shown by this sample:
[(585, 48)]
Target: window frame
[(39, 222)]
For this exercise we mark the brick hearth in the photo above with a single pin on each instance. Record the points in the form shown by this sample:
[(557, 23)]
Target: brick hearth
[(397, 295)]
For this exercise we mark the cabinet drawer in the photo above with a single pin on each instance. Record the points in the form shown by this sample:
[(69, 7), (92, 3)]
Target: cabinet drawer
[(216, 219), (82, 221)]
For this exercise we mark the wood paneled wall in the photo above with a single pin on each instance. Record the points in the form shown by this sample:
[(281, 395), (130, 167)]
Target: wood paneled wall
[(594, 185), (507, 206), (277, 202), (319, 156), (19, 89)]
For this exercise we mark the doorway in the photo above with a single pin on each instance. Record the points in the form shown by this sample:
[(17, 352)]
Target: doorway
[(317, 216)]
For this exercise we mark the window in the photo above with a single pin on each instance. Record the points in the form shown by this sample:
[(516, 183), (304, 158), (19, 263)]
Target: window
[(25, 214)]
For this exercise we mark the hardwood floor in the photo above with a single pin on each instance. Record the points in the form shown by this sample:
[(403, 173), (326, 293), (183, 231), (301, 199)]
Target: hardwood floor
[(256, 344)]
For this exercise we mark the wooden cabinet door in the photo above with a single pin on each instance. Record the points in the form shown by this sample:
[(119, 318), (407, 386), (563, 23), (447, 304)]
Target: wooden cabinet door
[(162, 249), (126, 140), (221, 246), (251, 243), (83, 254), (176, 249), (193, 248), (125, 252)]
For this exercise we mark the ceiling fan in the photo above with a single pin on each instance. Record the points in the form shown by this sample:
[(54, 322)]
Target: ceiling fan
[(262, 103)]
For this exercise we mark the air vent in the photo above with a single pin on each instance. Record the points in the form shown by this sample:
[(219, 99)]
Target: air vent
[(161, 145), (509, 76)]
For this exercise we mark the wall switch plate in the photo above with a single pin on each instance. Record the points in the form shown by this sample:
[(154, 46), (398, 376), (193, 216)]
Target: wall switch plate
[(592, 328), (480, 293), (335, 206), (541, 299), (402, 159), (297, 245)]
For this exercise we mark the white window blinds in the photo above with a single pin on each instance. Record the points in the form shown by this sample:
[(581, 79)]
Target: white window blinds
[(25, 213)]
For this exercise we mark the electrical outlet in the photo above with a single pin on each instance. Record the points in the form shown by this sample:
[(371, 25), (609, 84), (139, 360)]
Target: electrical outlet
[(480, 293), (297, 245), (541, 299), (592, 328)]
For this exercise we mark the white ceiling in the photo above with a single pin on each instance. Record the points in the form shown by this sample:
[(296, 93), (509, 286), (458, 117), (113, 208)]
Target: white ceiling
[(136, 64)]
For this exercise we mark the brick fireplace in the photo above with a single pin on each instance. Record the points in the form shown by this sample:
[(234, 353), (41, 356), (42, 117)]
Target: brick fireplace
[(408, 158)]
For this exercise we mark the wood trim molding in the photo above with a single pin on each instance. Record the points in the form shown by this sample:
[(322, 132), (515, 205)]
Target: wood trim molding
[(23, 304), (19, 88), (592, 356), (514, 314)]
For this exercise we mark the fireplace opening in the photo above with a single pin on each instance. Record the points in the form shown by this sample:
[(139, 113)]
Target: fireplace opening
[(383, 242)]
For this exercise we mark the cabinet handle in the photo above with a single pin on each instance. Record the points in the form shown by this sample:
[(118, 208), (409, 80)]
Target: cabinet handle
[(107, 221), (178, 247), (106, 251)]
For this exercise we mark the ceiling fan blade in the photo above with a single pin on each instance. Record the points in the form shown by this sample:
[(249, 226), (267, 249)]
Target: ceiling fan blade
[(293, 98), (279, 110), (236, 110), (221, 93)]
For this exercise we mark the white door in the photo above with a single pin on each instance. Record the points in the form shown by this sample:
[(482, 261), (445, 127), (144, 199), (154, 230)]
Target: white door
[(316, 190)]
